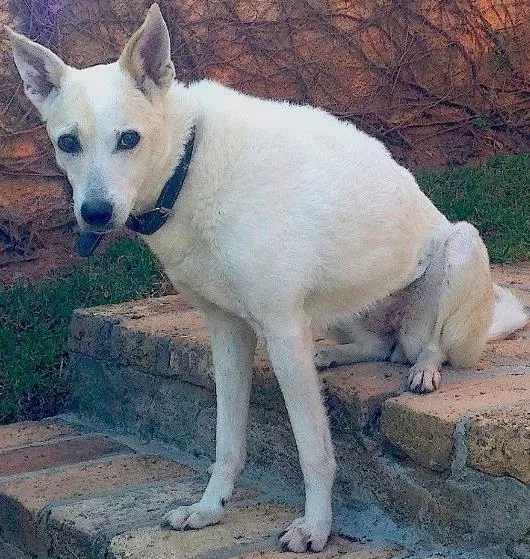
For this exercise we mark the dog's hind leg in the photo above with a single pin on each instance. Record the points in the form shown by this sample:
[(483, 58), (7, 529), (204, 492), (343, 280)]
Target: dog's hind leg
[(233, 346), (289, 345), (450, 309), (356, 344)]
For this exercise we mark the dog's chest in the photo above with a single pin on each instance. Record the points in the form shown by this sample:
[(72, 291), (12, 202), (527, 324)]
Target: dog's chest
[(192, 266)]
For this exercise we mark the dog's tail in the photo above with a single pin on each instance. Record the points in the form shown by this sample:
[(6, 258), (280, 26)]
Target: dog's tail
[(509, 314)]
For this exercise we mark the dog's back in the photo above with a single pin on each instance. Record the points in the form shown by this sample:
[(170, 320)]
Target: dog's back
[(306, 200)]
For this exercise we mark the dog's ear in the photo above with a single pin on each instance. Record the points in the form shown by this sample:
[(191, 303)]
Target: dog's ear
[(40, 69), (147, 57)]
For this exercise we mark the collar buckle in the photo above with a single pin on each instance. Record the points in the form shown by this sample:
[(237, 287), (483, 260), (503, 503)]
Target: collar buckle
[(166, 212), (149, 222)]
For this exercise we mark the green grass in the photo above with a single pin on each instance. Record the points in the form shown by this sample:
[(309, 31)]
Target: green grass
[(495, 197), (35, 320)]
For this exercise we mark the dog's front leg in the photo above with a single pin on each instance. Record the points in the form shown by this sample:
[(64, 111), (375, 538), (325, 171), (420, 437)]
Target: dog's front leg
[(290, 352), (233, 346)]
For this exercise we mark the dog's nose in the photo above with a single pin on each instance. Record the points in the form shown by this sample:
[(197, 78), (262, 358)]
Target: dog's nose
[(96, 212)]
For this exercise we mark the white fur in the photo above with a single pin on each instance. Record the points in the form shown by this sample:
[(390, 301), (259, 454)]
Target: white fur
[(509, 314), (288, 217)]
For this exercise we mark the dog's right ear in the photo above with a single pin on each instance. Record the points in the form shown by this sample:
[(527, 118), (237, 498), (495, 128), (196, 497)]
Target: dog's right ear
[(147, 55), (40, 69)]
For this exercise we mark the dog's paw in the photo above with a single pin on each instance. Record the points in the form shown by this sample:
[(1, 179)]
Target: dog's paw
[(324, 358), (424, 377), (192, 517), (303, 536)]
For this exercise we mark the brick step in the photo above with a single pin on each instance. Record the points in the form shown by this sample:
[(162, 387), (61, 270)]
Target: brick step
[(108, 503), (152, 338), (247, 532), (41, 470), (438, 461), (158, 338), (481, 422)]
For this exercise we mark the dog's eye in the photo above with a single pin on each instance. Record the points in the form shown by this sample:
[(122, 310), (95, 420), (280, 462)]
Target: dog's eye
[(69, 143), (128, 139)]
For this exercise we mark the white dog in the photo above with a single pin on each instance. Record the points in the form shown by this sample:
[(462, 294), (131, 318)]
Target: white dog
[(287, 218)]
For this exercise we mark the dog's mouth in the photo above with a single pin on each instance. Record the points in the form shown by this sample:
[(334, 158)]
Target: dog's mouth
[(97, 230), (90, 236), (87, 242)]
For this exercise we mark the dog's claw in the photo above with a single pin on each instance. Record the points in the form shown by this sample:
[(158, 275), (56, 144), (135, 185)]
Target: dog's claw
[(301, 537), (424, 377), (192, 517)]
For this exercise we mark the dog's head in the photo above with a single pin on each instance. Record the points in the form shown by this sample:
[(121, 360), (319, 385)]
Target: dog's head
[(106, 122)]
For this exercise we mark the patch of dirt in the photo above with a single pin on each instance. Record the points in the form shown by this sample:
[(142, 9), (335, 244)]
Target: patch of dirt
[(41, 209), (37, 228)]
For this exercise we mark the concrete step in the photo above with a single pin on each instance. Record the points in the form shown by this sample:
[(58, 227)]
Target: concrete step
[(443, 475), (108, 503), (490, 418), (438, 462)]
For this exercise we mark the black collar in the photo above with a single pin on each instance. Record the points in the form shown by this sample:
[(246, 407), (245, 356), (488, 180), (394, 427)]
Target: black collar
[(151, 221)]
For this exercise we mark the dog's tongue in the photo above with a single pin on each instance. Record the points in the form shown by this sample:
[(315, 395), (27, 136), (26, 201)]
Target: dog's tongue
[(87, 242)]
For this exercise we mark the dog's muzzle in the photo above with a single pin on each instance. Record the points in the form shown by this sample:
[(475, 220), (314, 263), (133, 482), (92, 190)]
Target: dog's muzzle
[(148, 222)]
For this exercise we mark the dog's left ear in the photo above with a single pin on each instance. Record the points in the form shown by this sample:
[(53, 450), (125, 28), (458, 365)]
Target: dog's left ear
[(147, 57)]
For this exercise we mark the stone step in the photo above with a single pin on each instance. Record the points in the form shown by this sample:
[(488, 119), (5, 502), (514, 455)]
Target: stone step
[(105, 504), (483, 423), (435, 462), (50, 475), (245, 533)]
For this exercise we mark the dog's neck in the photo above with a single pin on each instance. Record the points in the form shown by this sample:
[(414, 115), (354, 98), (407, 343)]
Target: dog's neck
[(180, 113)]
